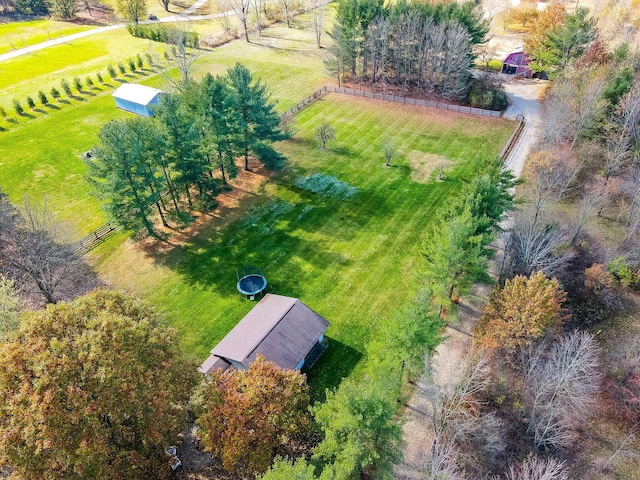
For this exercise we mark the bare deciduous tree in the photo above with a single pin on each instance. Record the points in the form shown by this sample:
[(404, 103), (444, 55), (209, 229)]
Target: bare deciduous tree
[(593, 196), (319, 8), (455, 418), (455, 77), (557, 111), (181, 54), (258, 10), (538, 469), (442, 463), (560, 388), (36, 255), (533, 247), (287, 6), (242, 9), (589, 104), (325, 134), (548, 175)]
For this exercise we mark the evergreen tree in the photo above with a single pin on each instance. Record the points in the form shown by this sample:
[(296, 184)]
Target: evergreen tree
[(219, 126), (120, 173), (362, 439), (259, 122), (183, 155)]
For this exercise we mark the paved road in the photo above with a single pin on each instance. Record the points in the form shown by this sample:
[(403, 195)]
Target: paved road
[(185, 16)]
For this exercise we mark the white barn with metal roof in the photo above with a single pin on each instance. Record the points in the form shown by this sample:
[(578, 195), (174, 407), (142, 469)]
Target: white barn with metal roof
[(136, 98)]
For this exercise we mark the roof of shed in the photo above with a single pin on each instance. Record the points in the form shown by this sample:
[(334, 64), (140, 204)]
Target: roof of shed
[(133, 92), (283, 329)]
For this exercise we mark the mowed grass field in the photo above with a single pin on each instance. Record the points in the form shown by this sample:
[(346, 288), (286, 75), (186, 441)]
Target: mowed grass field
[(354, 260), (42, 156), (24, 34)]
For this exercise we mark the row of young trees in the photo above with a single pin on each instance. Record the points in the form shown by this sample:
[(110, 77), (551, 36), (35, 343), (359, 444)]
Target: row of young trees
[(409, 45), (146, 163)]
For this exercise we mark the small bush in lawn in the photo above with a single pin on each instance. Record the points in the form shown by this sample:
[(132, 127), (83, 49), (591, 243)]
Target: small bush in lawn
[(166, 55), (30, 102), (139, 61), (66, 87), (3, 113), (149, 59), (122, 69), (99, 77), (89, 83), (112, 72), (17, 107), (78, 84), (43, 98), (132, 65), (55, 93)]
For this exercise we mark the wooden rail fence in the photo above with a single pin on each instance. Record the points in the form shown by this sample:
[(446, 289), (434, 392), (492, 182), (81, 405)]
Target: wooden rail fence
[(389, 98), (513, 140), (95, 238)]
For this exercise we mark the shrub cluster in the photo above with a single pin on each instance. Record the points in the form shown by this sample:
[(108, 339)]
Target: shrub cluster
[(326, 186), (163, 33), (487, 93)]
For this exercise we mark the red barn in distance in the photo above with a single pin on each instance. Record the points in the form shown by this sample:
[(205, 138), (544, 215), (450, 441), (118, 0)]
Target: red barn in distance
[(517, 63)]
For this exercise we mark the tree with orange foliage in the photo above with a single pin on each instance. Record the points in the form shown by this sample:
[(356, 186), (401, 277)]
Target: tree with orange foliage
[(536, 39), (248, 413), (94, 388), (524, 310)]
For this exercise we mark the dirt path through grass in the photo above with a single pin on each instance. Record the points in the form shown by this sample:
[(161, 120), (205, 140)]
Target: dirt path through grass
[(451, 353)]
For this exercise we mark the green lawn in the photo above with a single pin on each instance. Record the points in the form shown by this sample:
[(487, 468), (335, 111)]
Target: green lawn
[(353, 260), (24, 34), (43, 69), (41, 155)]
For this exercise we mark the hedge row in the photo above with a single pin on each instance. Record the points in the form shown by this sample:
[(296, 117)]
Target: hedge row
[(163, 33)]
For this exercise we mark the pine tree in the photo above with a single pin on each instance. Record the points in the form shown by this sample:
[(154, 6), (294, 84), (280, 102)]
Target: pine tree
[(259, 122)]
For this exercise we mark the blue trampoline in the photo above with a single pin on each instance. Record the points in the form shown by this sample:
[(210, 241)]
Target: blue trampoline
[(251, 282)]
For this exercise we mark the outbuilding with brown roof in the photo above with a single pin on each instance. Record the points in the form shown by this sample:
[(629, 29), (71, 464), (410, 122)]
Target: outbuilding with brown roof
[(282, 329)]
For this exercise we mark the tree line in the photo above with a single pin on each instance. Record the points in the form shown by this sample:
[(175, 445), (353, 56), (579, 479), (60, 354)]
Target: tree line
[(187, 151), (360, 420), (409, 45), (536, 373)]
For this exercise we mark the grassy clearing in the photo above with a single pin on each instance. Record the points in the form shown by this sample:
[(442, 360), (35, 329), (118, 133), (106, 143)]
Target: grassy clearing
[(43, 69), (354, 260), (42, 155), (24, 34)]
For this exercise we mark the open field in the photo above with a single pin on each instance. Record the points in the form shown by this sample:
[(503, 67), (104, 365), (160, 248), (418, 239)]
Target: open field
[(23, 34), (354, 260), (43, 69), (42, 155)]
